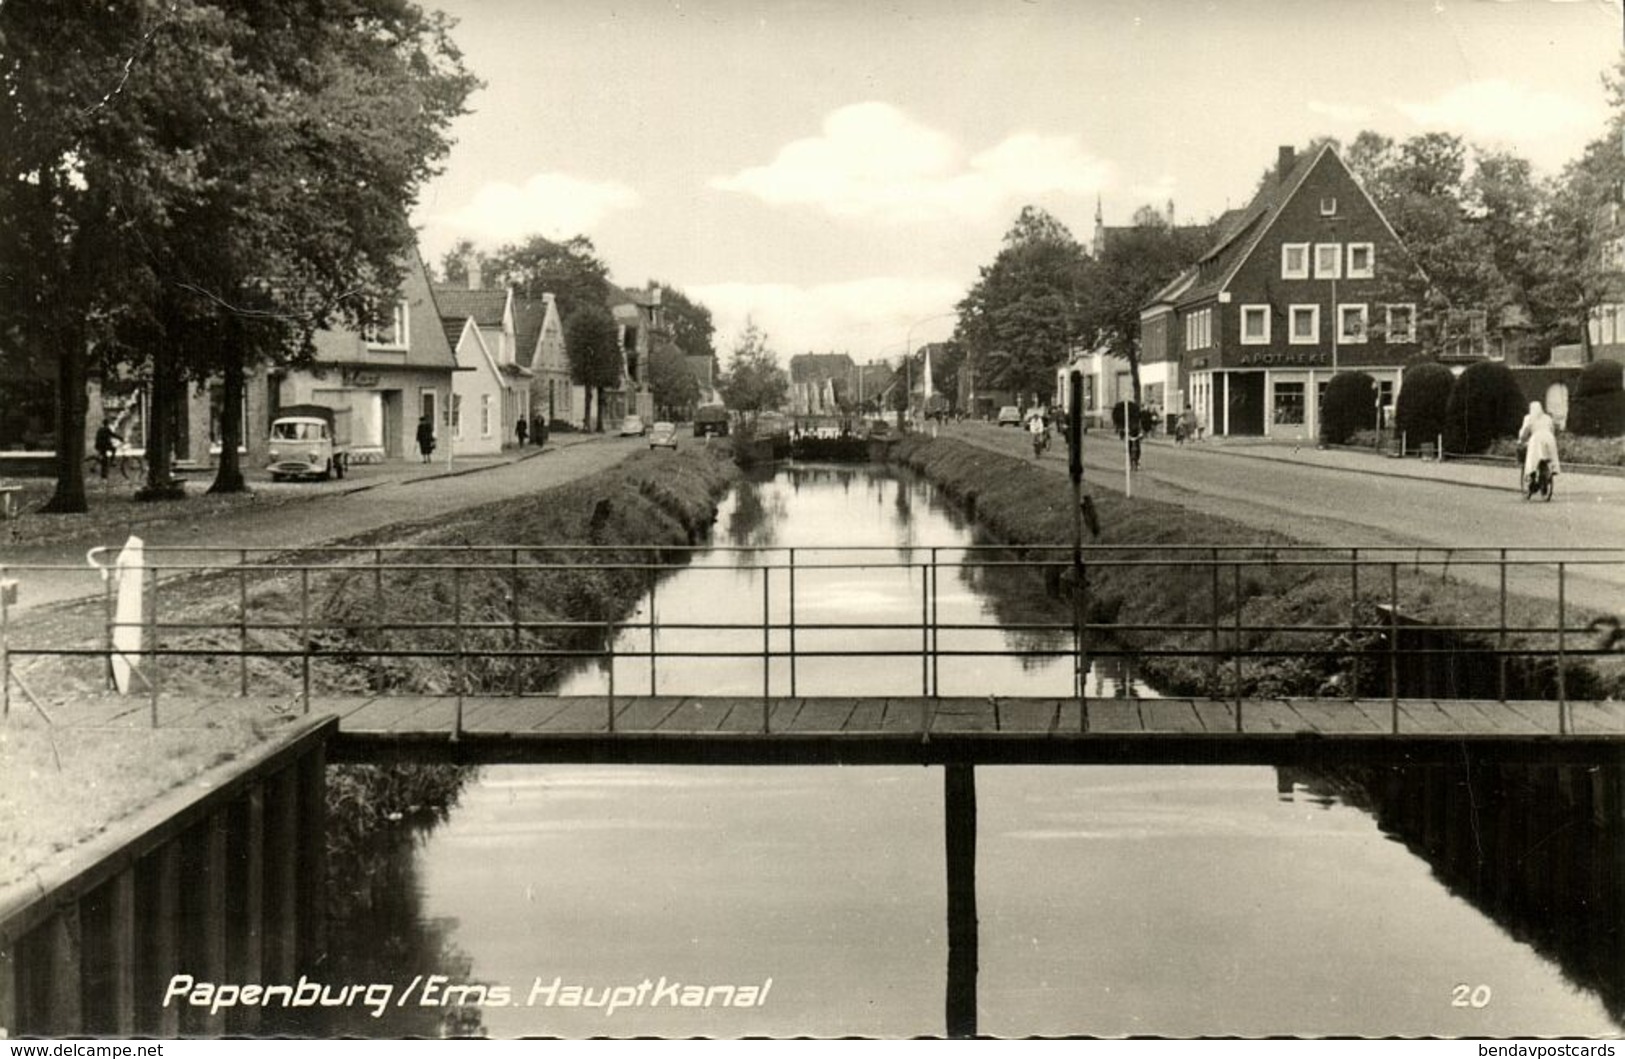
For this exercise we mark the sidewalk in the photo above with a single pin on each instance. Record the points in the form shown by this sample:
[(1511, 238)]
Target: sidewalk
[(1501, 477)]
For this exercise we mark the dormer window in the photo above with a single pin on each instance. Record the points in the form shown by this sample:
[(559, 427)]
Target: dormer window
[(394, 334)]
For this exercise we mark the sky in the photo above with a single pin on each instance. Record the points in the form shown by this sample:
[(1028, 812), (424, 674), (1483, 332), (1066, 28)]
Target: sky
[(836, 172)]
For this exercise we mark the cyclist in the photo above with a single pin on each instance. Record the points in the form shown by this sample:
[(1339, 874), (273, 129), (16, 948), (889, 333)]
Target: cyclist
[(107, 445)]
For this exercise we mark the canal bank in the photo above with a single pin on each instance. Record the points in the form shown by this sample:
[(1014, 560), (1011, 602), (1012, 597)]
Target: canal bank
[(1157, 608)]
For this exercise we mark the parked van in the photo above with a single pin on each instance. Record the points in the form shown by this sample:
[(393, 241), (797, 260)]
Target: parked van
[(711, 420), (304, 445)]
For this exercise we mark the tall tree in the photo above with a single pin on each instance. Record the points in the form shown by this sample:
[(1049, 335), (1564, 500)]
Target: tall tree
[(1022, 315), (755, 382), (673, 386), (690, 323), (571, 271), (592, 346)]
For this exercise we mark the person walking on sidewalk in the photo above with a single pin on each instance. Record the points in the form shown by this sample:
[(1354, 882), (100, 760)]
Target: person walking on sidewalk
[(521, 430), (425, 439)]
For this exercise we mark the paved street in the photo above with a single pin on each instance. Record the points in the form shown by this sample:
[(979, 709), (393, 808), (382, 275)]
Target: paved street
[(1355, 499), (374, 497)]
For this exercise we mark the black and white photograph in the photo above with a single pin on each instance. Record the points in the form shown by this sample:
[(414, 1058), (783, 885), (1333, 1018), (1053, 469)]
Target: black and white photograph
[(649, 519)]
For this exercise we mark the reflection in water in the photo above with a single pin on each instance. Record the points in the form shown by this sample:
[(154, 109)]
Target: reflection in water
[(1540, 850), (1111, 901)]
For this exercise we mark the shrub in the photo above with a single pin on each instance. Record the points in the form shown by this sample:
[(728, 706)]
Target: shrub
[(1573, 450), (1351, 397), (1419, 411), (1485, 404), (1598, 409)]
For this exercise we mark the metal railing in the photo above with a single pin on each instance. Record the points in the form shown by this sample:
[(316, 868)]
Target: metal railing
[(476, 620)]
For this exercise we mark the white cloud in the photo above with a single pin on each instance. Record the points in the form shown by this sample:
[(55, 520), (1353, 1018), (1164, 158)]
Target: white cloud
[(868, 318), (1498, 109), (871, 160), (1345, 112), (551, 204)]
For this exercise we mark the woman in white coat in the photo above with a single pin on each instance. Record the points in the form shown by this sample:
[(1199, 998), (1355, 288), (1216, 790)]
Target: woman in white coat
[(1538, 439)]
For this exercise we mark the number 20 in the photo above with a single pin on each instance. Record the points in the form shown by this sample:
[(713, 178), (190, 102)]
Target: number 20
[(1466, 996)]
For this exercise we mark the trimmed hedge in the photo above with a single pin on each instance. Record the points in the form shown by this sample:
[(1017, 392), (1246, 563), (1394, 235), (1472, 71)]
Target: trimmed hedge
[(1351, 400), (1419, 411), (1598, 409), (1485, 403)]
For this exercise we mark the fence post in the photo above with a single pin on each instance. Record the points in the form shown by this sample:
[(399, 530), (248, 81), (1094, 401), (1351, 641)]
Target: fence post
[(108, 579), (792, 623), (1393, 643), (925, 631), (767, 650), (462, 662), (654, 579), (242, 622), (5, 652), (1213, 655), (936, 682), (609, 654), (304, 635), (1354, 622), (1236, 567), (378, 615), (513, 594), (1562, 644), (1501, 638), (152, 641)]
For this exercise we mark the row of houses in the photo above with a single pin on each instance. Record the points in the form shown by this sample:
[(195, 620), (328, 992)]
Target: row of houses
[(1306, 280), (472, 360)]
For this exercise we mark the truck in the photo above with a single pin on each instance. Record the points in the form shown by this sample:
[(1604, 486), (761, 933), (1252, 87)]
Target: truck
[(304, 444)]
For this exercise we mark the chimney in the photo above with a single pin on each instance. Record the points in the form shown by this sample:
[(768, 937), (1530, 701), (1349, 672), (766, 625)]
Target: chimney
[(473, 271), (1283, 163)]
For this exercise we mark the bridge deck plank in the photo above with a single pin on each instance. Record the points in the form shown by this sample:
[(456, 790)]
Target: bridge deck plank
[(1170, 715), (744, 715), (1215, 716), (1027, 715), (823, 715), (645, 715), (904, 715), (696, 715), (506, 714), (391, 714), (1337, 716), (1541, 714), (1428, 717), (866, 716), (1272, 716), (574, 715), (1114, 715), (963, 715), (1496, 717), (1603, 717)]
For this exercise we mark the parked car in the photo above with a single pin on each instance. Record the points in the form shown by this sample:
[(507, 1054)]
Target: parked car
[(1009, 416), (663, 435), (304, 445), (632, 427)]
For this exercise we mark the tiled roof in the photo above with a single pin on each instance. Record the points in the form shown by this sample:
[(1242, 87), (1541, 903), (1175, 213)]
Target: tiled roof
[(485, 306), (529, 314), (1237, 231)]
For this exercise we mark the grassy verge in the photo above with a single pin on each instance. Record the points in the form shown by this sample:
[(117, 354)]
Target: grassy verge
[(1172, 608), (61, 785)]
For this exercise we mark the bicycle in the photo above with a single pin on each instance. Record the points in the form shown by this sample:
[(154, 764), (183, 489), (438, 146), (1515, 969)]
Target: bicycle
[(128, 463)]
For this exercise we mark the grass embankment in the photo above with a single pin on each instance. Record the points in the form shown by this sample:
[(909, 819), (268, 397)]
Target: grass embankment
[(66, 786), (1172, 607)]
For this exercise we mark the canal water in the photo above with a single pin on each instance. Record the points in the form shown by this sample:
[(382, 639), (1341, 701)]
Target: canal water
[(1112, 900)]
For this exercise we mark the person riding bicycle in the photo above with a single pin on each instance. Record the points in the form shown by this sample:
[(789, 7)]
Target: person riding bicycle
[(107, 445), (1039, 432), (1537, 439)]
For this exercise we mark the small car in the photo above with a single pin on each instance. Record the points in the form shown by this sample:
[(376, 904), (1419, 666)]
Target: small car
[(663, 435), (1009, 416), (632, 427), (303, 445)]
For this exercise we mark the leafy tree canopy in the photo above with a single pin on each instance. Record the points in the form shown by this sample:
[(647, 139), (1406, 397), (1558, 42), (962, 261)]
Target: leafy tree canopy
[(755, 381), (690, 323)]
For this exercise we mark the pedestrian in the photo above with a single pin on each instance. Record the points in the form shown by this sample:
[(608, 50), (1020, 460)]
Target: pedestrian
[(1040, 433), (425, 438), (522, 430), (539, 431), (107, 443)]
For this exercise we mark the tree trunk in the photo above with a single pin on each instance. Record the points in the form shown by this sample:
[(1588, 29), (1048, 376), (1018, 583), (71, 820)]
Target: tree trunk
[(600, 409), (586, 416), (72, 376), (163, 400), (228, 477)]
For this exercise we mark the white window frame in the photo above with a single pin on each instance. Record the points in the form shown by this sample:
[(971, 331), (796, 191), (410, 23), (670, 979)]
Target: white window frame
[(485, 415), (457, 416), (398, 334), (1287, 271), (1328, 205), (1331, 255), (1262, 311), (1313, 338), (1409, 334), (1370, 268), (1344, 336)]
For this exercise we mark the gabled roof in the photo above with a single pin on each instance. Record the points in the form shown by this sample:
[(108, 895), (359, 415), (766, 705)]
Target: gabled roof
[(458, 303), (529, 317), (1240, 230)]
